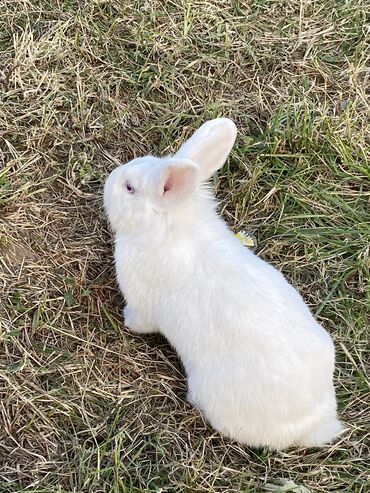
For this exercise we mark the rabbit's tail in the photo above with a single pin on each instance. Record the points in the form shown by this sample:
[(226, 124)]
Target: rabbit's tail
[(321, 434)]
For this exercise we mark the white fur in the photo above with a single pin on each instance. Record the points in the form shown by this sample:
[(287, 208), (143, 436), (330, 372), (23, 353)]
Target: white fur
[(259, 367)]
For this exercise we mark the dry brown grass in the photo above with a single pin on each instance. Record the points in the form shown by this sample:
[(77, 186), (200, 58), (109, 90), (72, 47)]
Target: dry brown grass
[(85, 405)]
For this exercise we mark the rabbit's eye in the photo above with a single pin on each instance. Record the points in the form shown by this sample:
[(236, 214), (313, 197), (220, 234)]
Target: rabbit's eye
[(129, 187)]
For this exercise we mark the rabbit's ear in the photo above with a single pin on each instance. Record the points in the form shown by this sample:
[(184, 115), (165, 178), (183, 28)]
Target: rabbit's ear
[(210, 145), (177, 180)]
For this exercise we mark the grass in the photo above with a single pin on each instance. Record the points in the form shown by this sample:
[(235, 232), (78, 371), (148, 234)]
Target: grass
[(86, 406)]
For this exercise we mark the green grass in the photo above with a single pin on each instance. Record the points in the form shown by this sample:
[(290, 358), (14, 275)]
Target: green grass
[(86, 407)]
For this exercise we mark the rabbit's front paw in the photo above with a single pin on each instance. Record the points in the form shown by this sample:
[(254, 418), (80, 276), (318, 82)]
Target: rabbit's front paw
[(136, 323)]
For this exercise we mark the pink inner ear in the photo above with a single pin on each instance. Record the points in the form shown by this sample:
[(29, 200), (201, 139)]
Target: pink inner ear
[(178, 179)]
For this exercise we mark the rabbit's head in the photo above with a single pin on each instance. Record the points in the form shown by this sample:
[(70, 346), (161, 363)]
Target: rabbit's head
[(138, 194)]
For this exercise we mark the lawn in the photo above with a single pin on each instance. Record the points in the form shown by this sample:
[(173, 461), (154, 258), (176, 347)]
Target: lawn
[(85, 406)]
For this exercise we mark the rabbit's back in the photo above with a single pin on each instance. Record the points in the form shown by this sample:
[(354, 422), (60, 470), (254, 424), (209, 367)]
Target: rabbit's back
[(224, 296)]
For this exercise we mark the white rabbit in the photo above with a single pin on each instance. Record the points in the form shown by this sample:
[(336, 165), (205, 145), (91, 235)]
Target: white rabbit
[(259, 367)]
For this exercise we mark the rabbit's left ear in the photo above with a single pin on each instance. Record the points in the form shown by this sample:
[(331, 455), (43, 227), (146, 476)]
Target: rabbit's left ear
[(177, 180), (210, 145)]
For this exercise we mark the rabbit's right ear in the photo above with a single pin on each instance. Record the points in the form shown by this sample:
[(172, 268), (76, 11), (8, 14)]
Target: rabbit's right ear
[(210, 146), (177, 181)]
